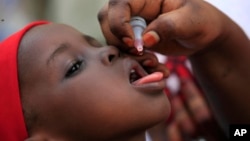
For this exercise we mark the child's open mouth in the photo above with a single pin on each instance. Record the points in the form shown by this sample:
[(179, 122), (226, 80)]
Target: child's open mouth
[(139, 77), (134, 75)]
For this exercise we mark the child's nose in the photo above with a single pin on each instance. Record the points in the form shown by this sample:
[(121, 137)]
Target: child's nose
[(109, 54)]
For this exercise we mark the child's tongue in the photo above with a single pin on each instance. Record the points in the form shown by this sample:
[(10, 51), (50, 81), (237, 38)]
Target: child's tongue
[(153, 77)]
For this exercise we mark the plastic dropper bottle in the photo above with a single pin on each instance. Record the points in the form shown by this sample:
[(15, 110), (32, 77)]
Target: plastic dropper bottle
[(138, 24)]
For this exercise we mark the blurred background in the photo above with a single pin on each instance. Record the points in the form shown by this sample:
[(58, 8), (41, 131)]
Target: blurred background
[(82, 14)]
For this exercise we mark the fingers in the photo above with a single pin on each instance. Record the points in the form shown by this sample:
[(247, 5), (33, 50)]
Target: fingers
[(119, 15), (200, 112), (180, 31), (115, 16), (182, 117), (148, 59), (175, 24), (164, 34), (175, 27), (150, 62), (111, 39), (173, 132), (195, 102), (160, 68), (182, 127)]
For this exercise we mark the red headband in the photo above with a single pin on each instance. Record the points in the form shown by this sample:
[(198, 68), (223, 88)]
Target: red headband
[(12, 125)]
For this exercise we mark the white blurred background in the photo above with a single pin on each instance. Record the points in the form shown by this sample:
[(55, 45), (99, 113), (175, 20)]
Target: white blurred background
[(82, 14)]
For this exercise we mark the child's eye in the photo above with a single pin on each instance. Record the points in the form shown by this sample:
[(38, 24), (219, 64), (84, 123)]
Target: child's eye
[(74, 68)]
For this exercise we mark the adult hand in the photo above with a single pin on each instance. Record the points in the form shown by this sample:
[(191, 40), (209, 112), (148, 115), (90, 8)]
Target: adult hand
[(174, 27), (191, 118)]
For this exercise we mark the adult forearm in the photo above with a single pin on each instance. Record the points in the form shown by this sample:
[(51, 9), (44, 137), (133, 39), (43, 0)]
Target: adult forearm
[(223, 70)]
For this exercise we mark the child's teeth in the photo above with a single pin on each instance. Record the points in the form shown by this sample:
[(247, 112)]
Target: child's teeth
[(132, 71)]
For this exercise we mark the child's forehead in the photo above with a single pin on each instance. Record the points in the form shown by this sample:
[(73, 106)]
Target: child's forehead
[(51, 29), (52, 34), (44, 39)]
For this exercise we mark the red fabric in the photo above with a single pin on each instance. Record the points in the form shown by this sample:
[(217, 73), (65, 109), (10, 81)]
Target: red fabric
[(176, 64), (12, 125)]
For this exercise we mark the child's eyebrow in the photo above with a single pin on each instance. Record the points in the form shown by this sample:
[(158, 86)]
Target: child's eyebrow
[(92, 41), (62, 48), (88, 38)]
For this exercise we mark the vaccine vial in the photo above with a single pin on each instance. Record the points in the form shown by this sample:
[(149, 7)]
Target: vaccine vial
[(138, 24)]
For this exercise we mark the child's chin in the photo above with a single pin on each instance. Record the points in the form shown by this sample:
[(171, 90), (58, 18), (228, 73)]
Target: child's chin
[(165, 111), (161, 113)]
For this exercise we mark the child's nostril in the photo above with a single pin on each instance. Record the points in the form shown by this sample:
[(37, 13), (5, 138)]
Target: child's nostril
[(111, 57)]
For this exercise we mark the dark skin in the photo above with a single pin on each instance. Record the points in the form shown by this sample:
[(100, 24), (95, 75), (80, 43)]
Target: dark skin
[(217, 47), (72, 89)]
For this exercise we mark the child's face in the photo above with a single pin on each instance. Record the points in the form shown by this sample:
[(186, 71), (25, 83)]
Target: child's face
[(78, 89)]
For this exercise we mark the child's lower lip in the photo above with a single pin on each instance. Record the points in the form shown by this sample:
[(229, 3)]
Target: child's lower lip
[(151, 87)]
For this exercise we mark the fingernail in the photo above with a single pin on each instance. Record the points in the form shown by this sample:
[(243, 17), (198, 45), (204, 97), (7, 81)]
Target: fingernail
[(151, 38), (128, 41)]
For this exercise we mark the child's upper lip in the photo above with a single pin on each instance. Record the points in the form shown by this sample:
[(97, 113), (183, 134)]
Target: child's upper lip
[(134, 70)]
